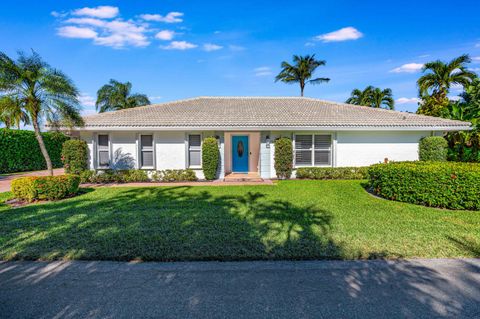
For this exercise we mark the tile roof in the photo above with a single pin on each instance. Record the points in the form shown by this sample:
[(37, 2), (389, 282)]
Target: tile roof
[(262, 112)]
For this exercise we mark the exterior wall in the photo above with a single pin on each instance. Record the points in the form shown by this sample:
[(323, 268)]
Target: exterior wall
[(88, 137), (366, 148), (171, 150), (123, 150), (265, 149)]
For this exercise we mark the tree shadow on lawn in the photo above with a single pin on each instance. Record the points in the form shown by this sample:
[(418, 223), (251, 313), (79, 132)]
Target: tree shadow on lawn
[(164, 224)]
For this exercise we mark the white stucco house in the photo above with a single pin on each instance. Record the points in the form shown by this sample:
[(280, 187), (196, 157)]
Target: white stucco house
[(169, 135)]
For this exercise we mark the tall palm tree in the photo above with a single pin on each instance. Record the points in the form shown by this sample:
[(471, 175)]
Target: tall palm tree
[(301, 71), (441, 76), (42, 92), (12, 113), (372, 97), (117, 96)]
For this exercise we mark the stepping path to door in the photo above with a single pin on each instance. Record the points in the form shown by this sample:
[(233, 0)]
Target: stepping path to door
[(6, 180)]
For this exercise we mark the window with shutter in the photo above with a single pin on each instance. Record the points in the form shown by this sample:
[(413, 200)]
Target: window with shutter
[(194, 150), (103, 151), (313, 150), (303, 150), (146, 151), (322, 146)]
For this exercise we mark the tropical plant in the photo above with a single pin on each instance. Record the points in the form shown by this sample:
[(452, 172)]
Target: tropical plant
[(11, 112), (117, 96), (373, 97), (301, 71), (42, 92), (437, 80)]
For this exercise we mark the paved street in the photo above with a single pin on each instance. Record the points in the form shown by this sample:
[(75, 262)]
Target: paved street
[(316, 289)]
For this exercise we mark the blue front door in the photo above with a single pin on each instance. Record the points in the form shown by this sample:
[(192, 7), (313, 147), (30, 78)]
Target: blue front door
[(240, 154)]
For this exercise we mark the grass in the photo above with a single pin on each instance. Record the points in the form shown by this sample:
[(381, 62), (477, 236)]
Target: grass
[(293, 220)]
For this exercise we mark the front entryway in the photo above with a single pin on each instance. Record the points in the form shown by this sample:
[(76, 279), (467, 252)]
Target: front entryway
[(240, 153)]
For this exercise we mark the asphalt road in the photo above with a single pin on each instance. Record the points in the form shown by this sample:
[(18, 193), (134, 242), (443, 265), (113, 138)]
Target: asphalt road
[(312, 289)]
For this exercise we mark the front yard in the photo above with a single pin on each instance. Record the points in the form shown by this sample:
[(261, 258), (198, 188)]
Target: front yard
[(292, 220)]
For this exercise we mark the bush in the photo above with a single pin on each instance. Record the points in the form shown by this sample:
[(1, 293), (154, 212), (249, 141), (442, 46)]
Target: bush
[(210, 157), (283, 157), (114, 176), (45, 187), (332, 172), (433, 148), (20, 151), (437, 184), (75, 156), (175, 175)]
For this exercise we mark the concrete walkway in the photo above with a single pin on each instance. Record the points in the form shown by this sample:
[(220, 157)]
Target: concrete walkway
[(317, 289), (5, 180)]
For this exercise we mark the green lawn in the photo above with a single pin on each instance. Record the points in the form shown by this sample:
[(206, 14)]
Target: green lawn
[(292, 220)]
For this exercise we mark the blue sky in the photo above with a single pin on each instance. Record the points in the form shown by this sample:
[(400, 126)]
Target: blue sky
[(178, 49)]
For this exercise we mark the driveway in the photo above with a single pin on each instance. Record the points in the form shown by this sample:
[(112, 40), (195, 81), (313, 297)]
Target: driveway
[(5, 180), (311, 289)]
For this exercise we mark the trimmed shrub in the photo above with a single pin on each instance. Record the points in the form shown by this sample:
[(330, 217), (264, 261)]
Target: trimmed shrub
[(20, 151), (210, 157), (114, 176), (75, 156), (87, 176), (283, 157), (332, 172), (438, 184), (45, 187), (175, 175), (433, 148)]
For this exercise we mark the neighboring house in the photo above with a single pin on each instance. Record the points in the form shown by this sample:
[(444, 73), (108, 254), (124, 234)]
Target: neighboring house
[(169, 135)]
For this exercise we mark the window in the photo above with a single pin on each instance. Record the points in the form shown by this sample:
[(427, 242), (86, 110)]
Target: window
[(194, 150), (313, 150), (146, 150), (103, 150)]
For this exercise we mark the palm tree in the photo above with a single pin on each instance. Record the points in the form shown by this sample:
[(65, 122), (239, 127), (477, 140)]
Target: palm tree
[(12, 113), (441, 76), (359, 97), (301, 71), (372, 97), (42, 92), (117, 96)]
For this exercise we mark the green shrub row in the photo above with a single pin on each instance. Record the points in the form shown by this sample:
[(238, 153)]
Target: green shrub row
[(45, 187), (332, 172), (210, 157), (75, 156), (433, 148), (136, 176), (437, 184), (283, 157), (20, 151)]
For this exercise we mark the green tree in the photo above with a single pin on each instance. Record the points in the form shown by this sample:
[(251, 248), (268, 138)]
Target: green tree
[(372, 97), (117, 96), (42, 92), (12, 113), (434, 85), (301, 71)]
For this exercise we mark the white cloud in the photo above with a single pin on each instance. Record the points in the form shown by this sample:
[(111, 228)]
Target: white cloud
[(155, 98), (86, 100), (477, 45), (104, 12), (262, 71), (76, 32), (171, 17), (408, 68), (424, 56), (165, 35), (454, 98), (476, 59), (211, 47), (474, 69), (344, 34), (236, 48), (179, 45), (406, 100), (309, 44)]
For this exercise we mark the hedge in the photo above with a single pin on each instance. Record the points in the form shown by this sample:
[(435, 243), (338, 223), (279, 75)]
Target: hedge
[(75, 156), (210, 158), (20, 151), (175, 175), (45, 187), (114, 176), (332, 172), (437, 184), (433, 148), (283, 157)]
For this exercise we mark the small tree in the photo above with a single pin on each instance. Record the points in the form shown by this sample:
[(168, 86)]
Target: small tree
[(433, 148), (75, 156), (210, 157), (283, 157)]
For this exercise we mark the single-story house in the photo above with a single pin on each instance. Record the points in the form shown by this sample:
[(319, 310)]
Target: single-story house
[(169, 135)]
